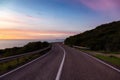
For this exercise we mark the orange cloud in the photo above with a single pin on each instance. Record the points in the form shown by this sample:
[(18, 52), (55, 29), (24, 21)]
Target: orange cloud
[(30, 34)]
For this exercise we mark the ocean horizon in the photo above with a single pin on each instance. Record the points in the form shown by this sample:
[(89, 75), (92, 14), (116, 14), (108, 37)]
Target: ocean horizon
[(21, 42)]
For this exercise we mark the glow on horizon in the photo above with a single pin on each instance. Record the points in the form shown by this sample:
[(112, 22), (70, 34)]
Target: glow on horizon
[(54, 19), (29, 34), (11, 20)]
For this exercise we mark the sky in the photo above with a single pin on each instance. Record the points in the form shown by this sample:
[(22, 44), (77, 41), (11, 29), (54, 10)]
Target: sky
[(54, 19)]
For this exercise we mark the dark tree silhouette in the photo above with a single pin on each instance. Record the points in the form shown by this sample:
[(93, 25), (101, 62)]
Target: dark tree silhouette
[(104, 37), (32, 46)]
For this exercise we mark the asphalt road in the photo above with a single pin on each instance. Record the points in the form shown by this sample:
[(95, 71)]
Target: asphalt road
[(64, 63)]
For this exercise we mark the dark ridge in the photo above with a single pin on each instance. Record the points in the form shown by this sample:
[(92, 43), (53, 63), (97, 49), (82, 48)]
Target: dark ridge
[(31, 46), (104, 37)]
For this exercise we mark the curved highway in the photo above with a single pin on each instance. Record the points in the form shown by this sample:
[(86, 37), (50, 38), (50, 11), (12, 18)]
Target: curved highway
[(63, 63)]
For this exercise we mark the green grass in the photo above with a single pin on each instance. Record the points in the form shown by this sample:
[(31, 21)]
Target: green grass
[(9, 65), (104, 52), (111, 59), (107, 52)]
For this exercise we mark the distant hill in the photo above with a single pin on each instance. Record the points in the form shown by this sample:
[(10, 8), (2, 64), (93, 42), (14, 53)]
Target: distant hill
[(31, 46), (104, 37)]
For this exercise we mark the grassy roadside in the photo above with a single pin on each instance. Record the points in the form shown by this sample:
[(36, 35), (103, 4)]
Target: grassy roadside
[(109, 58), (12, 64)]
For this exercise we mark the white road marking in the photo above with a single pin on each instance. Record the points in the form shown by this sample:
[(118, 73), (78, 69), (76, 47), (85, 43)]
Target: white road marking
[(61, 65), (102, 62), (23, 65)]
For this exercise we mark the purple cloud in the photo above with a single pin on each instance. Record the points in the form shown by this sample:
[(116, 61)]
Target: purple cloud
[(102, 5)]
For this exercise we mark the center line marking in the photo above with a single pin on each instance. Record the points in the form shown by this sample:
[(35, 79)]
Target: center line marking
[(61, 65)]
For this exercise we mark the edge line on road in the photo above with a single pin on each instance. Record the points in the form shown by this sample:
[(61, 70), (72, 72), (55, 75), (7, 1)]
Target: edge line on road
[(23, 65), (61, 65), (110, 66)]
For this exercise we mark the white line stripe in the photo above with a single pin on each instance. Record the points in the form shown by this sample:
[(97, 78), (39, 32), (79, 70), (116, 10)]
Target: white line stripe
[(102, 62), (61, 65), (23, 66)]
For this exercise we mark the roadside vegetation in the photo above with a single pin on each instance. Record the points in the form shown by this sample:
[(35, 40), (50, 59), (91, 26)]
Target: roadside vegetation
[(32, 46), (105, 37), (15, 62), (110, 58), (102, 42), (11, 64)]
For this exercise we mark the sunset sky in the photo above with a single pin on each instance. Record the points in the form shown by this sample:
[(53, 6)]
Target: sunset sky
[(54, 19)]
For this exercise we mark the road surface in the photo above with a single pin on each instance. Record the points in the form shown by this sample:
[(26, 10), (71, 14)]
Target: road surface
[(64, 63)]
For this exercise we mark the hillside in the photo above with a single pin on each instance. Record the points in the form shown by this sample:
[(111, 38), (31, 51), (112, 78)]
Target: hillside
[(104, 37), (31, 46)]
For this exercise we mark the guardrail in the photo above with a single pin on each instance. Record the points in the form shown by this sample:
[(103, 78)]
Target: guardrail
[(24, 54)]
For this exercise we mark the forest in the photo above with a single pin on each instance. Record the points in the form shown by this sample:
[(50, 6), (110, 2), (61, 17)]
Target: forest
[(105, 37)]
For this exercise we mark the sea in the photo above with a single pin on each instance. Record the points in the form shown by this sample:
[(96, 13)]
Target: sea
[(19, 43)]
